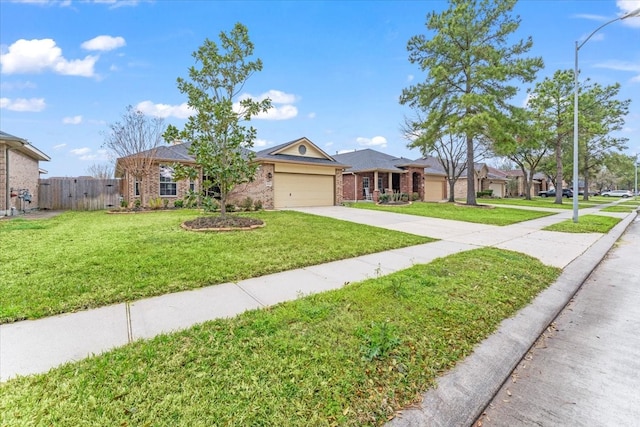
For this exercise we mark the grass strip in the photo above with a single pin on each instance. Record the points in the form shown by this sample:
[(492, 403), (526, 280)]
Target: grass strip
[(82, 260), (539, 202), (457, 212), (585, 224), (348, 357)]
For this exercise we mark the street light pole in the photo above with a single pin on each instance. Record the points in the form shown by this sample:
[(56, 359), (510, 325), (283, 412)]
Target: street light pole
[(631, 14)]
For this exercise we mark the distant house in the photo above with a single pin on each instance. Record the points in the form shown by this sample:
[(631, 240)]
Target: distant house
[(486, 178), (19, 174), (294, 174), (372, 173), (540, 183)]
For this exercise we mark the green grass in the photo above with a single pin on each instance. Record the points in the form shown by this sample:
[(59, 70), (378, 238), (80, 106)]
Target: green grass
[(481, 215), (538, 202), (585, 224), (88, 259), (620, 207), (309, 362)]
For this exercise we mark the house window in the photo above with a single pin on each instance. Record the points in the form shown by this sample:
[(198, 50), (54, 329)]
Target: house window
[(380, 187), (137, 188), (168, 186), (192, 186)]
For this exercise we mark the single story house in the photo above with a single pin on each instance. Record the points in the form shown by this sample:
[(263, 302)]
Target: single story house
[(19, 174), (294, 174), (486, 178), (372, 173), (540, 183)]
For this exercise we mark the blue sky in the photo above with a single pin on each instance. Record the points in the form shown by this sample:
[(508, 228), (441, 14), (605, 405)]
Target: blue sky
[(334, 69)]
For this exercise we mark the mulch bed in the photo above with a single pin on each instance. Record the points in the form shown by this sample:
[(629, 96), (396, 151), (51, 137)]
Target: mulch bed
[(219, 223)]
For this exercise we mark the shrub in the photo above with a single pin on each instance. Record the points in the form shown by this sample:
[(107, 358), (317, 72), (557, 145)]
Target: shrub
[(165, 203), (415, 196), (404, 197), (247, 204), (384, 198), (191, 199), (257, 205), (484, 193), (230, 207), (137, 203), (178, 204), (123, 203), (155, 203), (210, 204)]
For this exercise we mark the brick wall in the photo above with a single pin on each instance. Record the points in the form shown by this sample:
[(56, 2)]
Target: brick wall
[(24, 173)]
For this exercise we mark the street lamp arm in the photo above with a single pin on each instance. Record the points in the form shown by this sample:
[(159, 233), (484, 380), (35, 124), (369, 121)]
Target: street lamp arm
[(619, 18)]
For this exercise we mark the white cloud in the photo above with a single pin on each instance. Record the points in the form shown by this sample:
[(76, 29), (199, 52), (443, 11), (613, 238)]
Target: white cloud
[(17, 85), (181, 111), (258, 143), (311, 115), (376, 141), (345, 151), (22, 104), (80, 151), (36, 56), (104, 43), (285, 112), (410, 77), (282, 105), (75, 120), (59, 146), (621, 66), (61, 3)]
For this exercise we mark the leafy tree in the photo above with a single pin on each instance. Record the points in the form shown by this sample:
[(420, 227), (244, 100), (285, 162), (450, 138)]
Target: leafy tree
[(470, 67), (522, 142), (618, 172), (218, 141), (134, 142), (551, 103), (600, 115)]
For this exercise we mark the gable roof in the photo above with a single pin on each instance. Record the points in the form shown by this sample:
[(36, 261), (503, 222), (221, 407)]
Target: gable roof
[(282, 153), (369, 160), (23, 146)]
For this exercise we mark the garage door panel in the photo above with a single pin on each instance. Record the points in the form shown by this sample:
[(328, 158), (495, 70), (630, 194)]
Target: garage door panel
[(433, 191), (298, 190)]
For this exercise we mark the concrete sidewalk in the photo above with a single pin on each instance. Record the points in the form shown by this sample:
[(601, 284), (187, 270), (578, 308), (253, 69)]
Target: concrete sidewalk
[(36, 346)]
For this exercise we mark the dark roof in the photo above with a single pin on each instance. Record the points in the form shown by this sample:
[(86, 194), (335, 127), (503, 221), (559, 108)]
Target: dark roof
[(372, 160), (431, 165)]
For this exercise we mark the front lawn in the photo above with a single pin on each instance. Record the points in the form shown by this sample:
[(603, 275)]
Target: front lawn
[(457, 212), (88, 259), (348, 357), (539, 202), (585, 224)]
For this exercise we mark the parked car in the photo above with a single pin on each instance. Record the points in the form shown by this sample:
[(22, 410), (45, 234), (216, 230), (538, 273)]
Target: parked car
[(566, 192), (617, 193)]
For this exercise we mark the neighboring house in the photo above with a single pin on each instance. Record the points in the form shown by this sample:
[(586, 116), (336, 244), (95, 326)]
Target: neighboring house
[(294, 174), (19, 174), (372, 173), (486, 178), (540, 183), (436, 187)]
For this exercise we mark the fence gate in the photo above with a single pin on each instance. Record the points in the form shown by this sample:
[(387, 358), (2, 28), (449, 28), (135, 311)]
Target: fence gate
[(79, 194)]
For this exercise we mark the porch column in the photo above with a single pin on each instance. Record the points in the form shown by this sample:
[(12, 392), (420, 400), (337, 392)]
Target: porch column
[(376, 190)]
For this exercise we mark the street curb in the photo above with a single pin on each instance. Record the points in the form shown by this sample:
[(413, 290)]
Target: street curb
[(462, 394)]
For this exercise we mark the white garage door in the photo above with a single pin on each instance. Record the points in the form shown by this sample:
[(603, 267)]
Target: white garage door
[(292, 190), (497, 190)]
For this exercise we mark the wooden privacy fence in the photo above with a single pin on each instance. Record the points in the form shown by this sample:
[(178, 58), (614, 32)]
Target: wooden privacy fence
[(79, 194)]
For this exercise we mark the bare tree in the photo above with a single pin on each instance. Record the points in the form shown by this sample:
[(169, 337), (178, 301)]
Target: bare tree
[(134, 142), (100, 170)]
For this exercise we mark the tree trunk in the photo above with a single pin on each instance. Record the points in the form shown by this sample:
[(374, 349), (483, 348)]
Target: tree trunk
[(559, 178), (526, 183), (471, 173), (452, 184)]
